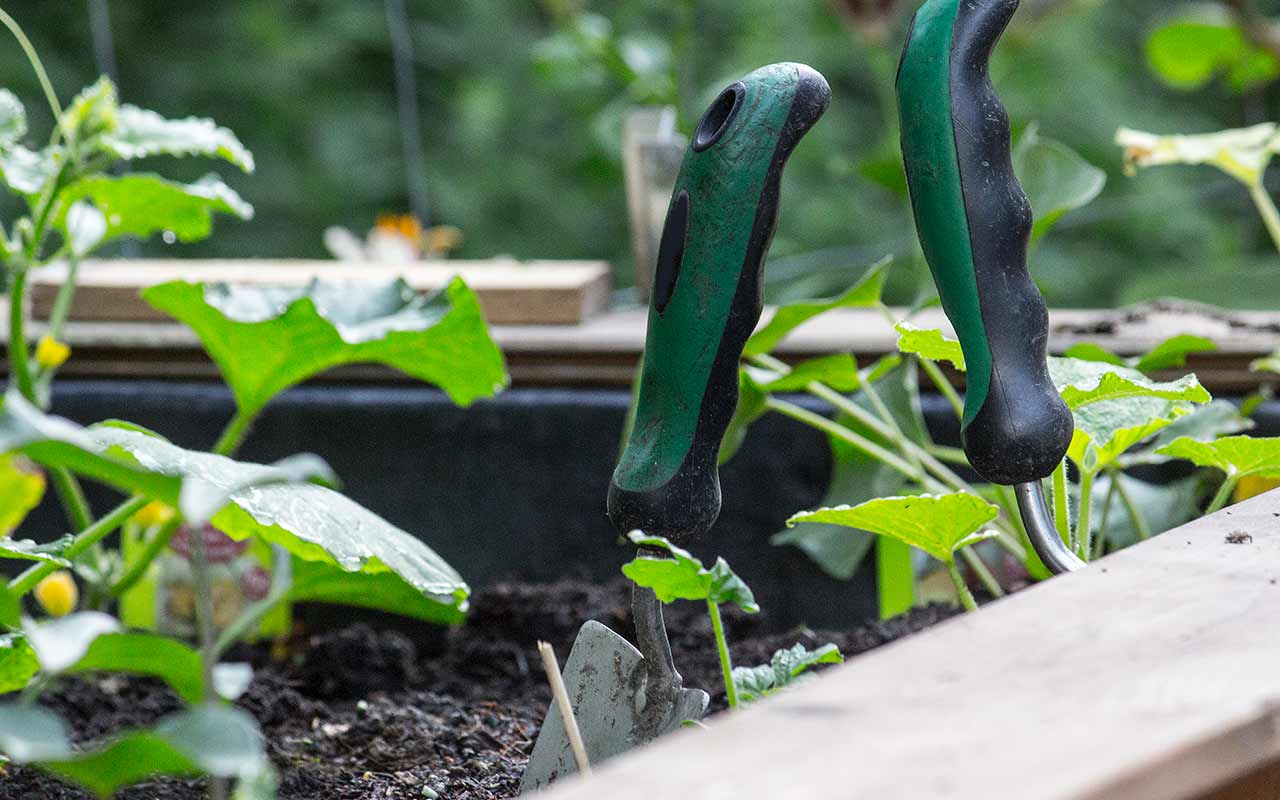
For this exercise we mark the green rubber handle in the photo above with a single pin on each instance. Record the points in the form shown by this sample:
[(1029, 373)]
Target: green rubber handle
[(974, 223), (707, 297)]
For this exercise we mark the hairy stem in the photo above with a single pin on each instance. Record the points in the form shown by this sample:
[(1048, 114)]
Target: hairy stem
[(1100, 541), (96, 532), (1224, 493), (1139, 521), (962, 589), (1084, 542), (233, 434), (722, 648), (980, 569), (944, 386), (72, 498), (1061, 509)]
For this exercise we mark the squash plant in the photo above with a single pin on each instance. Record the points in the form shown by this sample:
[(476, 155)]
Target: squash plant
[(321, 545)]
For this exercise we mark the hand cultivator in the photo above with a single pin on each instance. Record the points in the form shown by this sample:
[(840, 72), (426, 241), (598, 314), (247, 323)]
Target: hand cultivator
[(706, 300)]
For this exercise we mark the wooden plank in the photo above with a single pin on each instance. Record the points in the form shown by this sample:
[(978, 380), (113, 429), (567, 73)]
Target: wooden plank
[(511, 292), (1151, 675)]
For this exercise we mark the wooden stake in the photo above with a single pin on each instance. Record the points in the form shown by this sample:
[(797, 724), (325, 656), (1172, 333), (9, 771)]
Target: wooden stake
[(561, 696)]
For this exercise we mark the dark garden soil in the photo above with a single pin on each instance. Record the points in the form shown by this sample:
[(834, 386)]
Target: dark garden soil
[(360, 713)]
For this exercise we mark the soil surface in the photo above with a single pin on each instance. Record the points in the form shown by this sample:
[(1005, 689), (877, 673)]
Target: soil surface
[(365, 714)]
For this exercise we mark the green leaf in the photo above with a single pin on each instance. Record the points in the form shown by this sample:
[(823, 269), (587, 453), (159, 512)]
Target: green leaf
[(1242, 153), (937, 524), (146, 654), (1269, 364), (13, 118), (314, 523), (1204, 41), (839, 371), (92, 112), (60, 643), (27, 171), (10, 608), (213, 740), (682, 577), (142, 205), (1172, 353), (30, 550), (1056, 179), (18, 665), (1083, 382), (1238, 456), (265, 340), (21, 487), (1105, 430), (864, 294), (930, 343), (786, 668), (1088, 351), (1204, 423), (140, 133)]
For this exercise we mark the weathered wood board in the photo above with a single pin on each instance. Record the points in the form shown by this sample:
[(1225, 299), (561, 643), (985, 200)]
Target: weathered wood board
[(511, 292), (1152, 675)]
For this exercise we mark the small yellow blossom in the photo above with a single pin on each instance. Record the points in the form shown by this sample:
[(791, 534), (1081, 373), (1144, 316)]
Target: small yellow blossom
[(57, 594), (1254, 485), (51, 353), (153, 514)]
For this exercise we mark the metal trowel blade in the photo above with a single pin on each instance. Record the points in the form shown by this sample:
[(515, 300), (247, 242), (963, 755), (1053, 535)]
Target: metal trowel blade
[(606, 680)]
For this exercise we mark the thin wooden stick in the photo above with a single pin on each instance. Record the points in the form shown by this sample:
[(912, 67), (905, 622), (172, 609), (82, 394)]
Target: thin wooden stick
[(561, 696)]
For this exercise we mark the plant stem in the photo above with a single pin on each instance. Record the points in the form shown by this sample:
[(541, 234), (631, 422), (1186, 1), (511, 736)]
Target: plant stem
[(980, 569), (62, 303), (944, 386), (1140, 525), (1061, 509), (953, 455), (722, 648), (1084, 542), (140, 564), (72, 497), (1267, 210), (19, 357), (83, 541), (895, 577), (1224, 493), (233, 434), (1100, 541), (962, 590), (25, 43), (839, 431), (200, 581), (281, 583)]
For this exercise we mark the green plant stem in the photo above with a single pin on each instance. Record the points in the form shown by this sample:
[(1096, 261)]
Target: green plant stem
[(980, 569), (140, 564), (944, 386), (722, 648), (19, 356), (1061, 509), (1224, 493), (233, 434), (1140, 525), (62, 303), (91, 535), (841, 432), (1100, 541), (952, 455), (1084, 540), (203, 586), (1267, 210), (25, 43), (962, 590), (72, 498)]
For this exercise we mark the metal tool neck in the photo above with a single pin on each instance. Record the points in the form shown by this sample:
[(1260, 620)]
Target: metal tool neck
[(1041, 530)]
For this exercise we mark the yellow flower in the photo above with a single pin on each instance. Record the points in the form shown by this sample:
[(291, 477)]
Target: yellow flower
[(1253, 485), (50, 353), (57, 594), (153, 514)]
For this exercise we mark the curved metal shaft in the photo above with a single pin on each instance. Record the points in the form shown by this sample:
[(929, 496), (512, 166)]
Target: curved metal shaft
[(1042, 532)]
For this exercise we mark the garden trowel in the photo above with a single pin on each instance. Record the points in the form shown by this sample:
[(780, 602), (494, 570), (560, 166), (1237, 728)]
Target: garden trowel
[(706, 299), (974, 223)]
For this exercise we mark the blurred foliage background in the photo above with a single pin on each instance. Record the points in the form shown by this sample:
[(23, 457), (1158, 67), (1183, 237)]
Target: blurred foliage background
[(521, 103)]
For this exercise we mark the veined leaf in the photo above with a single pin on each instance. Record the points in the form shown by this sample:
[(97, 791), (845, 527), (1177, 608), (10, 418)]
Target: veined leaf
[(1083, 382), (682, 577), (265, 340), (1106, 430), (213, 740), (930, 343), (937, 524), (864, 294), (13, 118), (786, 668), (18, 665), (1205, 423), (21, 487), (140, 133), (1235, 455), (142, 205), (1056, 179)]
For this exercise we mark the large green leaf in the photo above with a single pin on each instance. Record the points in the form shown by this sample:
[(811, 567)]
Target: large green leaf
[(1169, 354), (864, 294), (18, 665), (788, 667), (1083, 382), (1106, 430), (140, 133), (1204, 423), (1056, 179), (682, 576), (937, 524), (1203, 41), (1235, 455), (265, 340), (211, 740), (929, 343), (314, 523), (146, 654), (142, 205), (13, 118), (21, 487)]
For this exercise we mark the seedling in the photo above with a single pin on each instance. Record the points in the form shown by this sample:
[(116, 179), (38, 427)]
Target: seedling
[(787, 668)]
